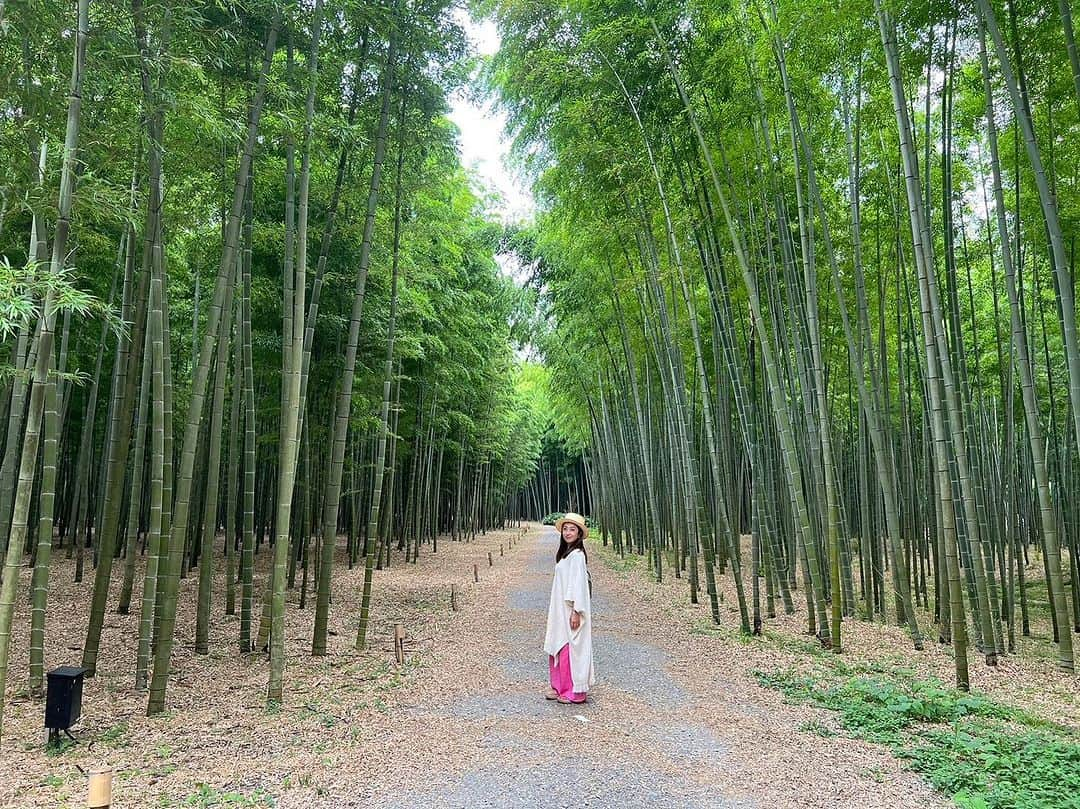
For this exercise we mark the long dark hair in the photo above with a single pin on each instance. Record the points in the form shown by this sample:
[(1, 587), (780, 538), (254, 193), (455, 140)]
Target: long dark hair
[(565, 549)]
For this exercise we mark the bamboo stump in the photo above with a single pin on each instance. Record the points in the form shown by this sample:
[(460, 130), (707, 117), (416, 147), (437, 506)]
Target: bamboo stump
[(500, 550), (99, 793), (476, 573), (399, 643), (453, 597), (491, 562)]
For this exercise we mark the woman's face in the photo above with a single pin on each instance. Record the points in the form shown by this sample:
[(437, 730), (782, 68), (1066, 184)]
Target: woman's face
[(570, 532)]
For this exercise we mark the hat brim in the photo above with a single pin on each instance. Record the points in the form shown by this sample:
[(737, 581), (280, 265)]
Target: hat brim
[(581, 526)]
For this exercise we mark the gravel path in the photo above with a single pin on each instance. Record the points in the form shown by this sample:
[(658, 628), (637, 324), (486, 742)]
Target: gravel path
[(542, 754), (648, 737)]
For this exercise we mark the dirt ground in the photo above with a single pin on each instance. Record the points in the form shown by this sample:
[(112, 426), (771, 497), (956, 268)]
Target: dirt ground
[(676, 718)]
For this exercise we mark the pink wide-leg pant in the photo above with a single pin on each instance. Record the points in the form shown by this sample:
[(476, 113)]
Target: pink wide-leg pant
[(561, 679)]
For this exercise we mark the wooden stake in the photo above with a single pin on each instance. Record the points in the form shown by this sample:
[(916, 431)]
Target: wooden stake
[(399, 643), (491, 562), (476, 573), (453, 597), (500, 550), (99, 794)]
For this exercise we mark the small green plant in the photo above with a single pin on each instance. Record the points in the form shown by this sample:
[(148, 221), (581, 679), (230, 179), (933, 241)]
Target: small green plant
[(817, 728), (621, 564), (316, 711), (706, 627), (875, 774), (804, 645), (59, 747), (207, 796), (115, 736)]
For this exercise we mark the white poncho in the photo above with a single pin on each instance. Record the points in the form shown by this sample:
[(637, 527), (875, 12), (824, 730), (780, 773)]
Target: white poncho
[(570, 591)]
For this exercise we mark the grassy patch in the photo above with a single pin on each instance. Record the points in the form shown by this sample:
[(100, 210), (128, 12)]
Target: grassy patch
[(800, 644), (59, 747), (323, 715), (116, 736), (206, 796), (625, 564), (817, 728), (981, 753), (706, 627)]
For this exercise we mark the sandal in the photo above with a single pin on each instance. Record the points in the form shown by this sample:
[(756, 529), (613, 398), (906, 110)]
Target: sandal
[(565, 701), (551, 694)]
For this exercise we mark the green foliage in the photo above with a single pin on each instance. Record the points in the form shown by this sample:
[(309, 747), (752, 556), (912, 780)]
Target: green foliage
[(558, 75), (625, 564), (984, 764), (980, 752), (23, 289), (59, 747), (817, 728), (554, 516), (208, 796), (116, 736), (454, 345)]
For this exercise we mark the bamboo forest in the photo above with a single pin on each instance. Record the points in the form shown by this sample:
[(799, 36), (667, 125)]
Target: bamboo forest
[(299, 400)]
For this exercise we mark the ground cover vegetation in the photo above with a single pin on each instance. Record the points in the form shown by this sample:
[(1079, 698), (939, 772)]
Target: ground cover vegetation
[(249, 305), (979, 752), (809, 279)]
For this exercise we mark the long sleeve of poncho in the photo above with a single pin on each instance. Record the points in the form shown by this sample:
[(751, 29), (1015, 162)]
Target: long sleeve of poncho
[(570, 592)]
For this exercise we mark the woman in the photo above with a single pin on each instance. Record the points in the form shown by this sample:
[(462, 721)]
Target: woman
[(568, 640)]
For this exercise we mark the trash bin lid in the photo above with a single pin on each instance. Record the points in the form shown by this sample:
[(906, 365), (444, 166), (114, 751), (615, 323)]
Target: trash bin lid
[(67, 672)]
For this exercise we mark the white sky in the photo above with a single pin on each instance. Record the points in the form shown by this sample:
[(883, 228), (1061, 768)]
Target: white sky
[(484, 148)]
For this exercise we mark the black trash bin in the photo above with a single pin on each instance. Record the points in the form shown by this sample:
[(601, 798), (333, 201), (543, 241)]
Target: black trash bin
[(63, 699)]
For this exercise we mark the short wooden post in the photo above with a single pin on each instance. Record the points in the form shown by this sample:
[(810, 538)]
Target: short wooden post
[(453, 597), (476, 573), (491, 562), (99, 794), (399, 643), (501, 550)]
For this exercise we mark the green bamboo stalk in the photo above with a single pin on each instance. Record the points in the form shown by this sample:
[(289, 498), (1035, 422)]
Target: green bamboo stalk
[(343, 407), (163, 652)]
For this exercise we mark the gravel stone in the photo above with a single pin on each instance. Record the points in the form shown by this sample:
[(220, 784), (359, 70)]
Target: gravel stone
[(559, 784), (637, 668), (503, 705), (690, 742), (530, 600)]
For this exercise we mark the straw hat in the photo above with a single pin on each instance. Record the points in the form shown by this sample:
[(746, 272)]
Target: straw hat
[(576, 519)]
